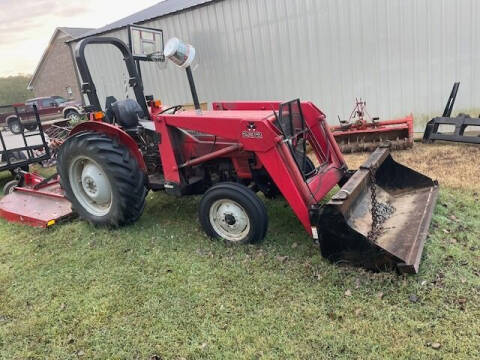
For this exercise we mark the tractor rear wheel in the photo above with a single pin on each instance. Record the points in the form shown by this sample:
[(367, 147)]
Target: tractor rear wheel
[(101, 179), (233, 212)]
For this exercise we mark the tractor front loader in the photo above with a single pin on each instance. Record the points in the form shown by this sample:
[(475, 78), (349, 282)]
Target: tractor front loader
[(231, 153)]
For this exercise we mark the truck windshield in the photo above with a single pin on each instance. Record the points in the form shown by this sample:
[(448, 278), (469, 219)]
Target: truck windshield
[(59, 100)]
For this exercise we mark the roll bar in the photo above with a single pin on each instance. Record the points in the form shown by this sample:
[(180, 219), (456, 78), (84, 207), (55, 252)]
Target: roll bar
[(88, 86)]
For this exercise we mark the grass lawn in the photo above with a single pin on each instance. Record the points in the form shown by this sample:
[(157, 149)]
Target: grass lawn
[(161, 289)]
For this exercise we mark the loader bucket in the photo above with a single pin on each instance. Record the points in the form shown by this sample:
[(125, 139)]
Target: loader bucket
[(407, 199)]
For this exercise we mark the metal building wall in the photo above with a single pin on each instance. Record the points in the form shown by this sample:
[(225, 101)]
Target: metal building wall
[(401, 55)]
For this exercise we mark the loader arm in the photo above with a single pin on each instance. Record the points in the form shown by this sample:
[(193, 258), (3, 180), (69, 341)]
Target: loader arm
[(260, 132), (405, 199)]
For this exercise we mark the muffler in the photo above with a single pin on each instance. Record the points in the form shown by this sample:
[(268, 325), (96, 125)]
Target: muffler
[(403, 202)]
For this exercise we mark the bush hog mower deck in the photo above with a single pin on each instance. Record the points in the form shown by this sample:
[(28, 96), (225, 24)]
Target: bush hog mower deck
[(364, 133), (29, 198), (108, 165)]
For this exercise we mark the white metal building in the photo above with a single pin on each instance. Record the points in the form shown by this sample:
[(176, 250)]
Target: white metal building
[(401, 55)]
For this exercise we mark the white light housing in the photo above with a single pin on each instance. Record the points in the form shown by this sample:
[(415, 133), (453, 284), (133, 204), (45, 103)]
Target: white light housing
[(179, 53)]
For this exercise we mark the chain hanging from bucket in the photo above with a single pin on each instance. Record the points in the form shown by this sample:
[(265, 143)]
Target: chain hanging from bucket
[(380, 212)]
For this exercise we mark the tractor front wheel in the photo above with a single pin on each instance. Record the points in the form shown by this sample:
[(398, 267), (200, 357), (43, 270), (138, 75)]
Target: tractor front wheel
[(233, 212), (101, 179)]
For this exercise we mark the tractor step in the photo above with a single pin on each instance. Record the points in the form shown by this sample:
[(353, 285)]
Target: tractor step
[(405, 199), (156, 182)]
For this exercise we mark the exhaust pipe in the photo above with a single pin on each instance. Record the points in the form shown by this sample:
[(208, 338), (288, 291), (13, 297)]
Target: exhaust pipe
[(405, 200)]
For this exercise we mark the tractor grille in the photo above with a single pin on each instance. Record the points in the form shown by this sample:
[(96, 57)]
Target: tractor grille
[(290, 119), (292, 124)]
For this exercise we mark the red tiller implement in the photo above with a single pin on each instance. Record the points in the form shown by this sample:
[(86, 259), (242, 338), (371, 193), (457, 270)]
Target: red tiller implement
[(364, 133), (380, 215)]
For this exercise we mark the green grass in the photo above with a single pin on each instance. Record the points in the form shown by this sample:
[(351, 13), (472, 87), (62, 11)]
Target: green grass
[(162, 288)]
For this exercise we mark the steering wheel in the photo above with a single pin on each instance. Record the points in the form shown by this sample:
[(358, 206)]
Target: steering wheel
[(174, 109)]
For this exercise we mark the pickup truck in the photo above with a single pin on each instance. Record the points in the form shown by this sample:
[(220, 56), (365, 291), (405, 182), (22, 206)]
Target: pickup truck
[(49, 108)]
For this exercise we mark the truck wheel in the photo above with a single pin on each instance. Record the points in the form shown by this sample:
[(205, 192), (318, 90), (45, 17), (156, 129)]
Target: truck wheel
[(234, 213), (9, 186), (72, 116), (15, 156), (15, 126), (31, 127), (101, 179)]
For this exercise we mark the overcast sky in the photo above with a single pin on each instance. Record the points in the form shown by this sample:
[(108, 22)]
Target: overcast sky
[(26, 26)]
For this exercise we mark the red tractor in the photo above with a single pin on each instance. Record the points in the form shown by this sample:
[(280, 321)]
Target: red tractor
[(380, 217)]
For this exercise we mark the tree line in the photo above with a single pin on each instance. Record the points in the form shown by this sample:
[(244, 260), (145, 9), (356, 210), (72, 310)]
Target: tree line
[(13, 89)]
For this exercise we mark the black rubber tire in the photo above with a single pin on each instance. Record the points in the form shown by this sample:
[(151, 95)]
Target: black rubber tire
[(122, 170), (8, 188), (245, 197), (15, 155), (308, 166), (31, 126), (13, 130)]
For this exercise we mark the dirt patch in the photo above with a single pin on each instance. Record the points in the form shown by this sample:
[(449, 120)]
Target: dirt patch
[(453, 165)]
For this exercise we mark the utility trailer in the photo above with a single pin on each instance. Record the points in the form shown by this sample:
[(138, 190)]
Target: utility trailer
[(18, 151), (229, 155), (29, 198)]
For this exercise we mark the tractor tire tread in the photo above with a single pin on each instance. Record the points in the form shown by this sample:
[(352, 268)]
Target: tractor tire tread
[(127, 179), (243, 194)]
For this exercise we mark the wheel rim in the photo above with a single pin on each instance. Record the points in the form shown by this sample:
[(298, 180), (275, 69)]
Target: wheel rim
[(10, 188), (229, 220), (73, 116), (90, 185)]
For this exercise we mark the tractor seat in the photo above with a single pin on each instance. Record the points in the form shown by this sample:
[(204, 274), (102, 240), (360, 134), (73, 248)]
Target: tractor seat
[(127, 113)]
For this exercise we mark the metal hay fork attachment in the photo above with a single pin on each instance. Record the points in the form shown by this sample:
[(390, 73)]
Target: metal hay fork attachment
[(466, 129)]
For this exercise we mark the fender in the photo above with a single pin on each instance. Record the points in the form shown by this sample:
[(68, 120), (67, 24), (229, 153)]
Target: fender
[(114, 132), (11, 117)]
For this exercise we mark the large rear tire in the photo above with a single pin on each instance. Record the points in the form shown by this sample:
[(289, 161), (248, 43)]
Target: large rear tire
[(233, 212), (102, 179)]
